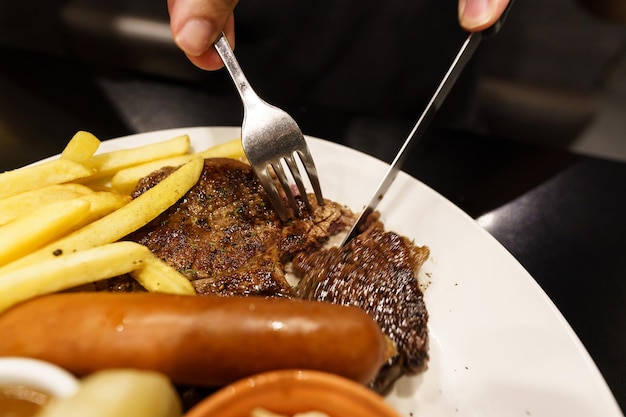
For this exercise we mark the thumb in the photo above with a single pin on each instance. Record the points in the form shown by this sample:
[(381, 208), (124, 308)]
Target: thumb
[(196, 24), (476, 15)]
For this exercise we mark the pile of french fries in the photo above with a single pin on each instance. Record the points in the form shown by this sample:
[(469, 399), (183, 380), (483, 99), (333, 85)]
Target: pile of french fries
[(62, 221)]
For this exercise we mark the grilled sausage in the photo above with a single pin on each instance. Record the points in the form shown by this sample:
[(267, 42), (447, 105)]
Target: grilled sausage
[(203, 341)]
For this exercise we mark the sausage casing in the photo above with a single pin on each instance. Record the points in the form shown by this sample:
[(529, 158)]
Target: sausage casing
[(195, 340)]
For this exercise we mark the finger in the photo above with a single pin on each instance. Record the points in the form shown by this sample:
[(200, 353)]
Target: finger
[(477, 15), (210, 60), (196, 24)]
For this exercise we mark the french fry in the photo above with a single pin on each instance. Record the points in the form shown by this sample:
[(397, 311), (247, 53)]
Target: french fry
[(157, 276), (19, 205), (138, 212), (101, 204), (107, 164), (99, 184), (62, 231), (81, 147), (32, 177), (125, 180), (95, 264), (231, 149), (41, 226), (123, 221), (70, 270)]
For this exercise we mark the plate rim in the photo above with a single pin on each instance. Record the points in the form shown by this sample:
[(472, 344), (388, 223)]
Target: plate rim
[(599, 381)]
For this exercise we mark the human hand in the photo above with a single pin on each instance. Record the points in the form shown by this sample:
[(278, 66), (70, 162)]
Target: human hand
[(477, 15), (196, 24)]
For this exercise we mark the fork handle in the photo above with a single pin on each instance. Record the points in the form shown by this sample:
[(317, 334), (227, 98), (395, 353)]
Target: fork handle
[(247, 94)]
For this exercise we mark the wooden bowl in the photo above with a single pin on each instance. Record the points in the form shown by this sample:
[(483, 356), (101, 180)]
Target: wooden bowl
[(287, 392)]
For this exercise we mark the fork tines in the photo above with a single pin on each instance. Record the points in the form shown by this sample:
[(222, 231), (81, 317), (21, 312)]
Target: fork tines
[(271, 139), (291, 184)]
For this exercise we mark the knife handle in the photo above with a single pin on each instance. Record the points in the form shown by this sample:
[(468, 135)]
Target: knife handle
[(495, 28)]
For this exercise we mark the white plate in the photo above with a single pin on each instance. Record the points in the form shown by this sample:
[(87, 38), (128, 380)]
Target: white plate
[(499, 347)]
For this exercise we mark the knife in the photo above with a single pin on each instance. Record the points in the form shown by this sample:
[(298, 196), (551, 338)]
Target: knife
[(467, 50)]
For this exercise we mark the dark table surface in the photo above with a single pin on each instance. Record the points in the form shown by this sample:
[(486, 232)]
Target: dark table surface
[(560, 214)]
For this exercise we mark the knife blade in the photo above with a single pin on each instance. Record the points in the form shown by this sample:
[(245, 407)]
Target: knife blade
[(459, 62)]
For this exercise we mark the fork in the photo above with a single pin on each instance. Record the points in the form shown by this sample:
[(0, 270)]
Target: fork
[(271, 140)]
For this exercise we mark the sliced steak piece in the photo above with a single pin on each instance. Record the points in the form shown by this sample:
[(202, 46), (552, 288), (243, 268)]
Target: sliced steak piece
[(376, 271), (226, 238)]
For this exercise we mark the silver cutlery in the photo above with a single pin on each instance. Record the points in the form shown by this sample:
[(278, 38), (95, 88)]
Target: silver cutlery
[(272, 142), (466, 51)]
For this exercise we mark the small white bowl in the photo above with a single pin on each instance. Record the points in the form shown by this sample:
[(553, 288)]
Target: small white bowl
[(38, 375)]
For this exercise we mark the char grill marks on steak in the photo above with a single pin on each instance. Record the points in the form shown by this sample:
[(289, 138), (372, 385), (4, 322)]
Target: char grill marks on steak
[(225, 237), (375, 271)]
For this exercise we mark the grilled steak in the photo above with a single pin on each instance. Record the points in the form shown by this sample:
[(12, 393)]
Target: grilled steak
[(225, 237), (375, 271)]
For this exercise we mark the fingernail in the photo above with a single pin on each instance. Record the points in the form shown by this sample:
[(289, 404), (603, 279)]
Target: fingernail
[(193, 38), (474, 13)]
